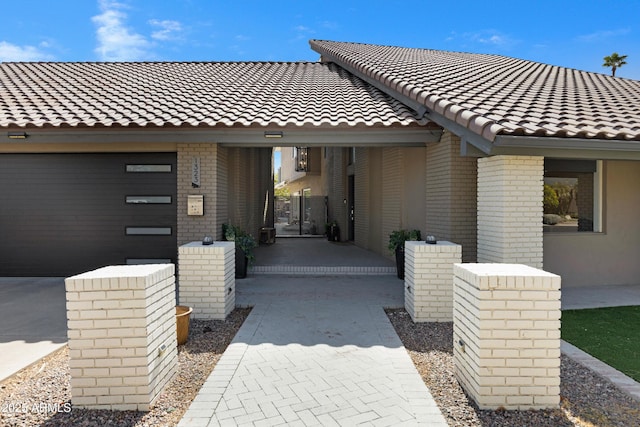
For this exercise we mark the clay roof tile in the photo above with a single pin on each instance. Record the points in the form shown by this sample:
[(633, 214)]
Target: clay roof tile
[(492, 95), (198, 94)]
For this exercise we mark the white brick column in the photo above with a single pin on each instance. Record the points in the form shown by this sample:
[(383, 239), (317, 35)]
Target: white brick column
[(428, 282), (206, 279), (122, 335), (506, 335), (510, 192)]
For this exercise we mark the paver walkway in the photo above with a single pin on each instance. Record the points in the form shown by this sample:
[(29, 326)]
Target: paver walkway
[(316, 351)]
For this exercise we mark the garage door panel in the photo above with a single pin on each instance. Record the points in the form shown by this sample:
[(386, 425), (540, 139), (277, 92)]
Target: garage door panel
[(63, 214)]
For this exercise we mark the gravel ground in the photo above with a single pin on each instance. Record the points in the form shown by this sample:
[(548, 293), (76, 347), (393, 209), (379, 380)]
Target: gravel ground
[(586, 398), (40, 395)]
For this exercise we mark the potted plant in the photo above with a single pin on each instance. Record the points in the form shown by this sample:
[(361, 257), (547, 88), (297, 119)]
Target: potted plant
[(245, 243), (396, 246)]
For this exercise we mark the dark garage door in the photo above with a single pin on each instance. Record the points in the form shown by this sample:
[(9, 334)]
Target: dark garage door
[(64, 214)]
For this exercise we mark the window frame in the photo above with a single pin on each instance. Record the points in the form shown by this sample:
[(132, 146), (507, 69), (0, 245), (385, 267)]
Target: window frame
[(598, 193)]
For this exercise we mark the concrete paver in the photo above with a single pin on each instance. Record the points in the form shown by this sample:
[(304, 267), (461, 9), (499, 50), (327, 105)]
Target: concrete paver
[(316, 351), (575, 298)]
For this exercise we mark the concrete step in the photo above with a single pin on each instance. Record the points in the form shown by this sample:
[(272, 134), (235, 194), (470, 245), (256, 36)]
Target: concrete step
[(325, 270)]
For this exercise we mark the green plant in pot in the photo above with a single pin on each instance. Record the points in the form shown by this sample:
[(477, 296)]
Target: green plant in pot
[(245, 243), (396, 246)]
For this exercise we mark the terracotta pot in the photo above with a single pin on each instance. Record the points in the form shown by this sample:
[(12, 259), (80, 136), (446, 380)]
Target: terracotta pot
[(182, 323)]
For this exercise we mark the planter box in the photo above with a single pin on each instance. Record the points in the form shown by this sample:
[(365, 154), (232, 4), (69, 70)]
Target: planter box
[(122, 335), (206, 276), (428, 295), (506, 335)]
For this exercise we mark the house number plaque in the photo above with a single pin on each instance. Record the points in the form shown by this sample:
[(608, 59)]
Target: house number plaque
[(195, 172)]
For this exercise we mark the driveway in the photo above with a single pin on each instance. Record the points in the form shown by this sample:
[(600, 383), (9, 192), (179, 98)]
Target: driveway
[(34, 321)]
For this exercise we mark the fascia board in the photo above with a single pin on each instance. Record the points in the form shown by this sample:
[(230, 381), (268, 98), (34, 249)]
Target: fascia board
[(234, 137), (572, 148)]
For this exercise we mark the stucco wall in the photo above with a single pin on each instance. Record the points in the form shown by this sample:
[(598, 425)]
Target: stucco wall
[(610, 257), (313, 182)]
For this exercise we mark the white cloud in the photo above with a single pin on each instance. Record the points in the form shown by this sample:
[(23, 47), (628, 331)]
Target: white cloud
[(303, 32), (491, 37), (169, 30), (487, 37), (602, 35), (116, 42), (331, 25), (13, 53)]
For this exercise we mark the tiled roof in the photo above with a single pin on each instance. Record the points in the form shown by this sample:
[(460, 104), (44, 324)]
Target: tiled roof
[(193, 94), (495, 95)]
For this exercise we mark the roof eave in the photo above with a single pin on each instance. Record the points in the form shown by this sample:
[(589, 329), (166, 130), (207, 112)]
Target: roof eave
[(573, 148), (474, 145), (357, 136)]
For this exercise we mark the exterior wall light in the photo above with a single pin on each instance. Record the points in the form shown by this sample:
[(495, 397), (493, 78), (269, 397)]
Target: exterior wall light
[(16, 135), (273, 134)]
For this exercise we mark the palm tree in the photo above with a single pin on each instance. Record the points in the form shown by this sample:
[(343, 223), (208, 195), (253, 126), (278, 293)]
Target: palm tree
[(614, 61)]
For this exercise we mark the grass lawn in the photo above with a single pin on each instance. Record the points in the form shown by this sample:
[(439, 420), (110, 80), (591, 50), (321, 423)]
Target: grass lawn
[(608, 334)]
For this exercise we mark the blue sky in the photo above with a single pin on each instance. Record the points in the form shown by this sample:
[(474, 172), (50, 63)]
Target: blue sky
[(571, 33)]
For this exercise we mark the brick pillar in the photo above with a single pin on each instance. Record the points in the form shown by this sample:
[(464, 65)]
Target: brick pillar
[(510, 193), (207, 279), (428, 295), (506, 335), (122, 335)]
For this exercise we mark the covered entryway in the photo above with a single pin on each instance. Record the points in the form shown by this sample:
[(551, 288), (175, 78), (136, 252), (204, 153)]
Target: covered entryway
[(62, 214)]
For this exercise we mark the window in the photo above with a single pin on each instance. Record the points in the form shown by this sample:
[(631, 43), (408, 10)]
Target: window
[(152, 200), (148, 231), (148, 168), (572, 195)]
